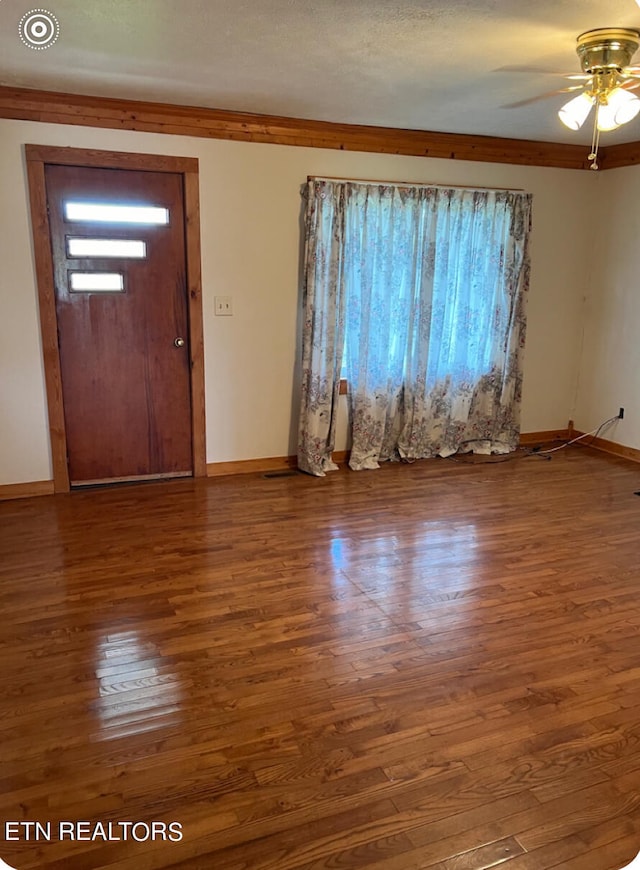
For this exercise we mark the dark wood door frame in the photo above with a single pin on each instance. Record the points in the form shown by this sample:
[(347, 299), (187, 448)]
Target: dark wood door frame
[(37, 156)]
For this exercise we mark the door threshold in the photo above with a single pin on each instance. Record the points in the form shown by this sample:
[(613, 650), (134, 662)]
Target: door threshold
[(132, 479)]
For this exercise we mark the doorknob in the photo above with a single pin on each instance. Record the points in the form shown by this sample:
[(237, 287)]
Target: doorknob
[(179, 342)]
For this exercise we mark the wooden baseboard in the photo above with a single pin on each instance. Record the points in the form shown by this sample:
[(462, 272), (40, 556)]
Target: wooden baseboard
[(527, 439), (25, 490), (284, 463), (251, 466), (609, 447), (341, 457), (261, 466), (547, 436)]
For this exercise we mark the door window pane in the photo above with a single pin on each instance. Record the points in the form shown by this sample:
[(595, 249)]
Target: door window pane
[(120, 214), (132, 248), (96, 282)]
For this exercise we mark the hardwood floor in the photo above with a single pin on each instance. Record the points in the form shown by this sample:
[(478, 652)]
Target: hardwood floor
[(429, 666)]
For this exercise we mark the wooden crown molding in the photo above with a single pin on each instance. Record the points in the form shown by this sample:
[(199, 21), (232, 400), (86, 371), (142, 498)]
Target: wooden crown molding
[(617, 156), (57, 108)]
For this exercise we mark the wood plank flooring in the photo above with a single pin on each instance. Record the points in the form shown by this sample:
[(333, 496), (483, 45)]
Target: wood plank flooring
[(429, 667)]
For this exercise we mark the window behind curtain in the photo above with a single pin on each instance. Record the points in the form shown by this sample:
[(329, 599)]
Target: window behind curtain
[(429, 285)]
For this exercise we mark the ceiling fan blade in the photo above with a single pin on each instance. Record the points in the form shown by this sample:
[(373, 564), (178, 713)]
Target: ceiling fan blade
[(631, 85), (546, 96)]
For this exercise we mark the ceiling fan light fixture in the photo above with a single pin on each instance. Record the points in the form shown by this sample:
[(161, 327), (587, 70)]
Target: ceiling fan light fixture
[(620, 108), (606, 121), (574, 113)]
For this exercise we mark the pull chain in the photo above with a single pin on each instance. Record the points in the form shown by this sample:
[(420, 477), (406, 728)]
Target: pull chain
[(595, 140)]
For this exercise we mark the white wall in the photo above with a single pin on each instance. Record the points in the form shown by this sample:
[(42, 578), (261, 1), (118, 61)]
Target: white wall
[(610, 361), (250, 203)]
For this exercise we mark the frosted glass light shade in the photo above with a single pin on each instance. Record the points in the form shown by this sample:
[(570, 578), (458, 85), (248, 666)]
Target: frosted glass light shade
[(574, 113), (621, 107)]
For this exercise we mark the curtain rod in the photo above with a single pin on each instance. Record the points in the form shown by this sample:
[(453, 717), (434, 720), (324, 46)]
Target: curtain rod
[(412, 183)]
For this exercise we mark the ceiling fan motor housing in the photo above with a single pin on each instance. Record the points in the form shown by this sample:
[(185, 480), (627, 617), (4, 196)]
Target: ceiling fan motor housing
[(607, 49)]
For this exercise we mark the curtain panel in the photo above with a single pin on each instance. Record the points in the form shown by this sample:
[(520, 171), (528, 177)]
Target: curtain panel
[(420, 292), (323, 326)]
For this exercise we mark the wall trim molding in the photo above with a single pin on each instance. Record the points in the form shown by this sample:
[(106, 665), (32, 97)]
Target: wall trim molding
[(546, 436), (341, 457), (26, 490), (617, 156), (252, 466), (610, 447), (81, 110), (287, 463)]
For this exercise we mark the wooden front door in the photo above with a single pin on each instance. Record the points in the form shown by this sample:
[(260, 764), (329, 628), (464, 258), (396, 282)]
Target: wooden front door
[(122, 317)]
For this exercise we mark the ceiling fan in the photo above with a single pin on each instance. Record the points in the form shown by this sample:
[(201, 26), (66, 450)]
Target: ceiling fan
[(605, 55), (606, 82)]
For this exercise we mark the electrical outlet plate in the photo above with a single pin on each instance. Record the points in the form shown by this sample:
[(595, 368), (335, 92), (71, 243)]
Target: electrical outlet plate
[(223, 306)]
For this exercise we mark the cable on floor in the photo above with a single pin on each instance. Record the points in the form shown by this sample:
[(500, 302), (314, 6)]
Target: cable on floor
[(594, 432), (525, 452)]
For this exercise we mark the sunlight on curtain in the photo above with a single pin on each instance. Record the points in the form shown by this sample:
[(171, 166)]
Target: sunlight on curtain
[(432, 285)]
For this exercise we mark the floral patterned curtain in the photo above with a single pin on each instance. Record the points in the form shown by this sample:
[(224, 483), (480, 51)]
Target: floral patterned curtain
[(431, 284), (323, 326)]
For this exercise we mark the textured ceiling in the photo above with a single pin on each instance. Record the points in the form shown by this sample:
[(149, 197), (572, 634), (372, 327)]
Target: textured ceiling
[(422, 64)]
